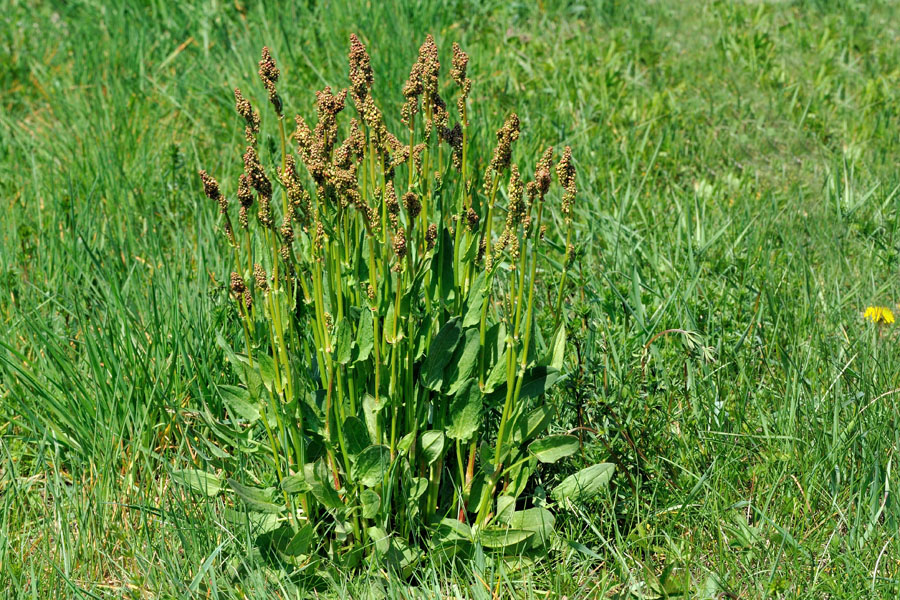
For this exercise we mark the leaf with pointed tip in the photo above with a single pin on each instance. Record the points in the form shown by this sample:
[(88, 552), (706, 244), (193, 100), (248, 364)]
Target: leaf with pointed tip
[(501, 537), (464, 361), (584, 484), (539, 520), (439, 354), (475, 302), (372, 465), (237, 401), (267, 371), (356, 435), (255, 498), (343, 342), (557, 355), (370, 503), (552, 448), (200, 481), (365, 336), (295, 484), (432, 445), (465, 412)]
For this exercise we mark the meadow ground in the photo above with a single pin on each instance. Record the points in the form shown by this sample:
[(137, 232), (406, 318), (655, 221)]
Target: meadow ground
[(738, 210)]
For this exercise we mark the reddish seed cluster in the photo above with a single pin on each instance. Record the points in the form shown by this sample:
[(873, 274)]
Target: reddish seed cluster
[(458, 74), (565, 172), (251, 117), (361, 75), (412, 205), (262, 280), (268, 74)]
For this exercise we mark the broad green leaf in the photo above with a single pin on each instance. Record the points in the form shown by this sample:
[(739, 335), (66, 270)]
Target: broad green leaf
[(229, 354), (556, 356), (371, 408), (417, 488), (475, 302), (381, 539), (237, 401), (371, 504), (365, 336), (464, 361), (538, 520), (518, 477), (276, 541), (454, 529), (432, 445), (439, 354), (267, 371), (405, 443), (200, 481), (319, 479), (372, 465), (497, 375), (258, 522), (532, 424), (295, 484), (448, 290), (552, 448), (465, 412), (255, 498), (539, 382), (584, 484), (501, 537), (343, 342), (506, 505), (301, 541), (356, 436)]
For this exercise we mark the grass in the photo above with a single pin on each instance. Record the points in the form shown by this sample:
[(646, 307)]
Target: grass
[(738, 210)]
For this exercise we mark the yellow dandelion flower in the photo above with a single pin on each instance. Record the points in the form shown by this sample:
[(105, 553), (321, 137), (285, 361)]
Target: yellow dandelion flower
[(879, 314)]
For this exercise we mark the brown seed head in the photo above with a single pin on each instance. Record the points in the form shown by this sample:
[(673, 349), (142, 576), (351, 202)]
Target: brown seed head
[(506, 136), (454, 137), (391, 204), (565, 172), (211, 189), (361, 75), (460, 62), (431, 236), (237, 284), (251, 117), (262, 280), (256, 174), (269, 74), (412, 205), (471, 219), (400, 245)]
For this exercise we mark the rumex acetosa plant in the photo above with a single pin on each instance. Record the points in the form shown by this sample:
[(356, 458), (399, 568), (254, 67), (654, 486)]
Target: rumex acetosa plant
[(387, 303)]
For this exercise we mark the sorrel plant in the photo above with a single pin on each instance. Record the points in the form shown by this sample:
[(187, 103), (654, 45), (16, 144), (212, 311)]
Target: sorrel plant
[(387, 298)]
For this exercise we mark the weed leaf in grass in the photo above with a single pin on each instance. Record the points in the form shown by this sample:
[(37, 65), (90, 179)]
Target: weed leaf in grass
[(465, 412), (200, 481), (439, 354), (372, 465), (464, 361), (365, 336), (238, 403), (432, 446), (584, 484), (343, 342), (501, 537), (552, 448), (257, 499)]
